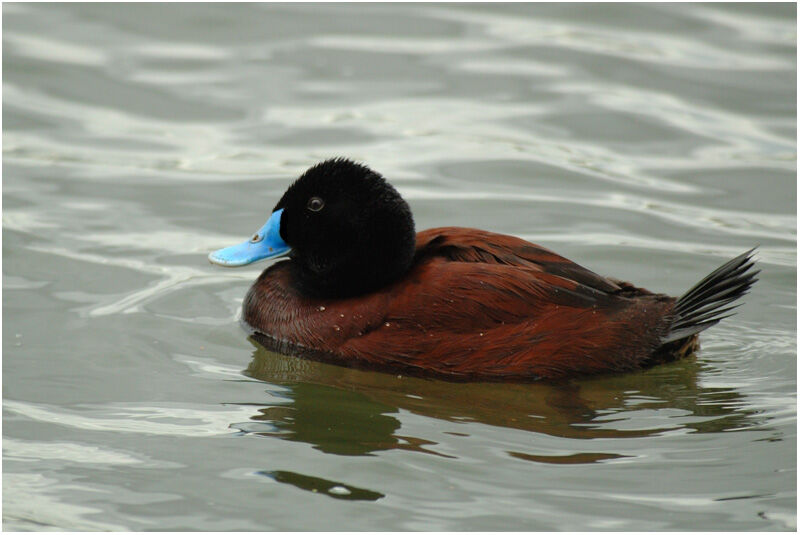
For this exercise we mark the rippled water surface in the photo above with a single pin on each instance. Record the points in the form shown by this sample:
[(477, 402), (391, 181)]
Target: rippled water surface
[(647, 142)]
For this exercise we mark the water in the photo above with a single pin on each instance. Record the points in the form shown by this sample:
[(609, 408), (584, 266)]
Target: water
[(647, 142)]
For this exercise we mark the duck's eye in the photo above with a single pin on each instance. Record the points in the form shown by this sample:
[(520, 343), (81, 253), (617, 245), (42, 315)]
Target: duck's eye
[(315, 204)]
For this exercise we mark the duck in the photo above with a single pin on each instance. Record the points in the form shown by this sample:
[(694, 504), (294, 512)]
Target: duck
[(357, 286)]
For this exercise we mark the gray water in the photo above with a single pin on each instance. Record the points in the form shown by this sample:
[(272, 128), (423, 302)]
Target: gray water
[(646, 142)]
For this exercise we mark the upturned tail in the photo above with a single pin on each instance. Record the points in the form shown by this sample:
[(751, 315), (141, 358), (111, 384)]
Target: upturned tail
[(705, 304)]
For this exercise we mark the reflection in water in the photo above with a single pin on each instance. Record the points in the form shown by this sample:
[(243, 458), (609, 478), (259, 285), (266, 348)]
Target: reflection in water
[(577, 458), (334, 420), (340, 491), (349, 412)]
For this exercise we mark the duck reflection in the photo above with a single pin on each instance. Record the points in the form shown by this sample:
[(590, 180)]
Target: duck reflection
[(351, 412), (334, 420)]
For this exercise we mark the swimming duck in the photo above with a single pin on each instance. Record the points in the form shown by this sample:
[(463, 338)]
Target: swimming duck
[(361, 288)]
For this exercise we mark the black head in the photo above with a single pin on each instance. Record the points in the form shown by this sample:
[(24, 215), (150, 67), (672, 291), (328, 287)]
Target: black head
[(350, 231)]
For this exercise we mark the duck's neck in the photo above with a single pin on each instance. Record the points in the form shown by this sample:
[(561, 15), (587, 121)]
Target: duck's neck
[(365, 268)]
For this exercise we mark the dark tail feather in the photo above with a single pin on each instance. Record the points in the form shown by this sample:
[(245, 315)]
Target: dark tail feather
[(704, 305)]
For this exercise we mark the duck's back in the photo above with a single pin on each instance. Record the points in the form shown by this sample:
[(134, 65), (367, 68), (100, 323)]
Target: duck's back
[(474, 305)]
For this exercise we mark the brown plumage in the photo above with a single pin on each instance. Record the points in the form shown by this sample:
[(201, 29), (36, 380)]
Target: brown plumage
[(362, 289), (474, 306)]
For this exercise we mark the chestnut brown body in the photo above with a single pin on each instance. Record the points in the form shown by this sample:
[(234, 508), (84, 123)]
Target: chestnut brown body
[(474, 305)]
